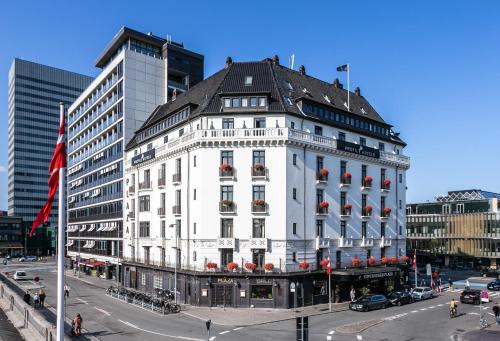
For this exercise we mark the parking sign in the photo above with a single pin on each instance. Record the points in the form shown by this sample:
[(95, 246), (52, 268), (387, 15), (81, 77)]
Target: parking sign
[(485, 297)]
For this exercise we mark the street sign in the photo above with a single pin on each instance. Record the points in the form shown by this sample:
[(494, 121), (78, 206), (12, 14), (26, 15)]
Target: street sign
[(485, 297), (302, 326), (428, 269), (292, 287)]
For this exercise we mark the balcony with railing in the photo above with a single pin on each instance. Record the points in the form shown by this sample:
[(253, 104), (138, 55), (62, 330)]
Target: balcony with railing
[(385, 186), (94, 132), (226, 171), (385, 242), (322, 208), (111, 138), (346, 242), (345, 179), (366, 212), (259, 206), (386, 213), (367, 242), (226, 243), (258, 171), (227, 207), (366, 183), (345, 211), (161, 212), (161, 181), (176, 179), (176, 210), (145, 185), (322, 175), (322, 242)]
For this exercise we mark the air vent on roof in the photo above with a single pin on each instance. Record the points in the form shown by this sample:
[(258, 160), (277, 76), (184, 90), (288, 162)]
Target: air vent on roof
[(357, 91), (229, 61), (363, 111), (302, 70), (327, 99), (289, 101), (289, 85), (276, 60)]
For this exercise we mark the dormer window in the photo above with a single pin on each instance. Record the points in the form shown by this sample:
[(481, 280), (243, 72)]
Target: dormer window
[(235, 102), (363, 111), (245, 102), (227, 102), (327, 99), (248, 80)]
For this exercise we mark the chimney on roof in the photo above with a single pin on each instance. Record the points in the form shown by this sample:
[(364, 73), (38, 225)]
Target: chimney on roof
[(276, 60), (302, 70), (174, 94), (229, 62), (337, 84), (357, 91)]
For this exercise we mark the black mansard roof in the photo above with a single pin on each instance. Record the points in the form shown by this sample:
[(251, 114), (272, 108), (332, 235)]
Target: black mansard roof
[(278, 84)]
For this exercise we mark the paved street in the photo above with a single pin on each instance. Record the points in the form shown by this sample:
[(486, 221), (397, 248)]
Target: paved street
[(106, 318)]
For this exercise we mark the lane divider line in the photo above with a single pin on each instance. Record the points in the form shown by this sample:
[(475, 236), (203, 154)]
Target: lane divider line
[(166, 335), (238, 328), (224, 332), (83, 301), (102, 311)]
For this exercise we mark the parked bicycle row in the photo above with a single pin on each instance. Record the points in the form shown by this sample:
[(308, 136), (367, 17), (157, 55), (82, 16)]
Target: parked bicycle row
[(160, 301)]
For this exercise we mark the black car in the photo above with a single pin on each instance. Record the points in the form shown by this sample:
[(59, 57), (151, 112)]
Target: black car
[(399, 298), (369, 302), (495, 285), (470, 296)]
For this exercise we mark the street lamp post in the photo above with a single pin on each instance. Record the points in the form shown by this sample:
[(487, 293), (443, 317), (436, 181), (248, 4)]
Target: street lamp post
[(175, 268)]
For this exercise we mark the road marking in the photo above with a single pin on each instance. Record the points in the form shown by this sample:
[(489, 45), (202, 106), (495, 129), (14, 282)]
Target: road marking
[(328, 337), (414, 311), (212, 338), (102, 311), (224, 332), (432, 307), (161, 334), (390, 318), (423, 309), (238, 328), (359, 337), (472, 313), (440, 305), (83, 301), (331, 332), (491, 314)]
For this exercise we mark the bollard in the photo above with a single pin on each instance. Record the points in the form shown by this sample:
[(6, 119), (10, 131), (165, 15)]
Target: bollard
[(26, 316), (1, 291), (12, 303)]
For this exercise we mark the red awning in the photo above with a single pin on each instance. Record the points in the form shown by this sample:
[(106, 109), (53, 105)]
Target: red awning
[(94, 264)]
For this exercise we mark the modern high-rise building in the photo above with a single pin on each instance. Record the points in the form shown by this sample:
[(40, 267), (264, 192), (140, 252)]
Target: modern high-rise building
[(139, 72), (460, 229), (35, 91), (250, 180)]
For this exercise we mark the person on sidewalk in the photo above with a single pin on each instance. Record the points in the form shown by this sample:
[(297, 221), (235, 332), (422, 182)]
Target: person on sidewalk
[(467, 285), (76, 325), (42, 295), (36, 300), (27, 297), (353, 294), (450, 282), (496, 311), (66, 291)]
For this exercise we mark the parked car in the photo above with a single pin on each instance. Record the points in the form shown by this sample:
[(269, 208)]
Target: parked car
[(422, 293), (470, 296), (495, 285), (28, 259), (369, 302), (21, 275), (399, 298)]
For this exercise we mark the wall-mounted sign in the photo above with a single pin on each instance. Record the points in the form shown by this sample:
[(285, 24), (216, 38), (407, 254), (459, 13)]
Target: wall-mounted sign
[(204, 292), (225, 280), (357, 149), (263, 281), (243, 293), (146, 156), (377, 275)]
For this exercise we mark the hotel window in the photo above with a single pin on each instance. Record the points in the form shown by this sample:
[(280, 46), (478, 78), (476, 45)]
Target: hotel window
[(381, 146), (226, 193), (194, 161), (194, 228), (194, 194), (382, 229), (343, 169), (162, 200), (320, 228), (363, 229), (318, 130), (227, 102), (294, 159), (235, 102), (149, 146), (341, 136), (294, 256), (343, 229), (362, 141), (165, 139), (320, 195), (259, 156), (258, 258), (147, 176), (382, 177), (292, 125), (294, 228), (259, 228), (162, 229), (226, 257), (144, 229), (253, 101), (262, 101), (157, 282), (226, 156), (194, 256), (259, 192), (400, 204), (178, 197), (342, 200), (244, 102), (446, 209), (319, 163), (228, 123), (382, 203), (400, 178), (460, 208), (181, 132), (260, 122), (363, 200), (400, 230), (363, 174), (144, 203), (294, 193)]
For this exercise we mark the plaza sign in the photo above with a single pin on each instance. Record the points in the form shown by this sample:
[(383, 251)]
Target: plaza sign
[(357, 149)]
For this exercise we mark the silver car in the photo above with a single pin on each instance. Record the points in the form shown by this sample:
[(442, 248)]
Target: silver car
[(422, 293)]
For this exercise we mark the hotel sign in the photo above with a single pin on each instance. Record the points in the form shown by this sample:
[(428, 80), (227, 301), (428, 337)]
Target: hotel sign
[(376, 275), (146, 156), (357, 149)]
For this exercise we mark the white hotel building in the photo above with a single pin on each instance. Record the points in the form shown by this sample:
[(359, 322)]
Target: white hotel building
[(259, 167), (139, 72)]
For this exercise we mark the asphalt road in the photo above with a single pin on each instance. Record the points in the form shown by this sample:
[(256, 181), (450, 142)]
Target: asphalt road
[(109, 319)]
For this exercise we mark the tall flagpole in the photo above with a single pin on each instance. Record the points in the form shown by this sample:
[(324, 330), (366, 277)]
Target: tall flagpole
[(60, 241), (348, 104)]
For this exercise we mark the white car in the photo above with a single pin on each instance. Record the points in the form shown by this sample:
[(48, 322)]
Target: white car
[(422, 293), (21, 275)]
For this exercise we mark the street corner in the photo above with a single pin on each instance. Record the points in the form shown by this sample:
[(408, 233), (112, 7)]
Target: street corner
[(358, 327), (483, 335)]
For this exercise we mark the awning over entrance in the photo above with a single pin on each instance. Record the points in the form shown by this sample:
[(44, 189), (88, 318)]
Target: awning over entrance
[(367, 273), (93, 264), (4, 245)]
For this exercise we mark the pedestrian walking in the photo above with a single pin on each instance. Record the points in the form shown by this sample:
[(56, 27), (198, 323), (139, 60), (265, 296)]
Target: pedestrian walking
[(76, 325), (496, 311), (353, 294), (439, 284), (36, 300), (66, 291), (42, 295), (450, 283), (467, 285), (27, 297)]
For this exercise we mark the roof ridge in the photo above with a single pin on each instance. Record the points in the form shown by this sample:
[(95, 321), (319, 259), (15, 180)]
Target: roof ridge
[(219, 86), (275, 83)]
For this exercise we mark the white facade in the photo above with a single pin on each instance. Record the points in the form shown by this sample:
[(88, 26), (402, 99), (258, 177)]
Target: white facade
[(291, 234)]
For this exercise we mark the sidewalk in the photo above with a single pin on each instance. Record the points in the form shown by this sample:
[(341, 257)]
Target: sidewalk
[(9, 331), (97, 282), (256, 316)]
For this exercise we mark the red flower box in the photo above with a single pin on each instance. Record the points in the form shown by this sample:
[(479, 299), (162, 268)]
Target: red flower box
[(259, 202), (324, 262), (259, 166), (371, 260), (250, 266), (347, 206), (304, 265), (384, 260), (324, 172), (356, 261), (269, 266), (211, 265), (324, 204), (226, 167), (394, 260), (387, 210), (387, 183), (368, 209), (368, 180), (232, 266), (347, 175), (404, 259)]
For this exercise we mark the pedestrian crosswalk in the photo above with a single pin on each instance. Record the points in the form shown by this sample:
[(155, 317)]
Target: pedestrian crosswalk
[(457, 290)]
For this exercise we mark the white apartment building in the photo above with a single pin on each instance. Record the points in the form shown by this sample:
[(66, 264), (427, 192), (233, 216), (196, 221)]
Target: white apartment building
[(251, 178), (139, 72)]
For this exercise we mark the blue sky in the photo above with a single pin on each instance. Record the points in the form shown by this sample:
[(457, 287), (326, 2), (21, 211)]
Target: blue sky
[(430, 68)]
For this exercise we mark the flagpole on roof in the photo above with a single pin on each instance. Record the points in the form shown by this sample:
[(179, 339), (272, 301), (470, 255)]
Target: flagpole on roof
[(348, 89), (60, 233)]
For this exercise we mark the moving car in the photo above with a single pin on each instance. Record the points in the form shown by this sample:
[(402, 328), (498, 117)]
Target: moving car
[(21, 275), (422, 293), (369, 302), (28, 259), (399, 298), (470, 296), (495, 285)]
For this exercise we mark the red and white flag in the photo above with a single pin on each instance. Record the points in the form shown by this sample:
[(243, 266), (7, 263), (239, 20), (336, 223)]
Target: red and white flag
[(58, 161), (328, 267), (414, 265)]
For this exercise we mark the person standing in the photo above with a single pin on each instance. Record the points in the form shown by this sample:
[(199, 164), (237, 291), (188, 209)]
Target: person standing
[(66, 291), (36, 300), (27, 297), (451, 283), (496, 311), (467, 285), (353, 294), (42, 295), (77, 325)]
